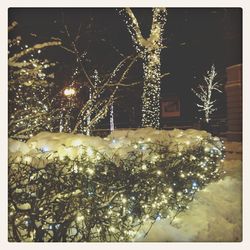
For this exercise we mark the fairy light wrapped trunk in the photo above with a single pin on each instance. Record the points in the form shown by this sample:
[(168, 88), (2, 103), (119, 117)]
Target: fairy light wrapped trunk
[(150, 50)]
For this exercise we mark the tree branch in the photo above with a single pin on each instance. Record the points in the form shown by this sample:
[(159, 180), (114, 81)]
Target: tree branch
[(30, 50)]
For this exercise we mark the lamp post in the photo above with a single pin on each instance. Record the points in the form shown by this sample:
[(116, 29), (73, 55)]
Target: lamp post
[(69, 93)]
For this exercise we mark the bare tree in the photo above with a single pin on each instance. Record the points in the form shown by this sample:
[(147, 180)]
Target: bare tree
[(204, 92), (32, 109), (102, 92)]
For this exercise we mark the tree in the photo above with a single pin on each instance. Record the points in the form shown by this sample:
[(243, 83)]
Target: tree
[(149, 50), (30, 80), (102, 90), (33, 109), (102, 95), (204, 93)]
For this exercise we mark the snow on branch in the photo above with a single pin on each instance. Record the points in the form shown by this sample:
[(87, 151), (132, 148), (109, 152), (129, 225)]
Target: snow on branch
[(19, 55), (30, 81)]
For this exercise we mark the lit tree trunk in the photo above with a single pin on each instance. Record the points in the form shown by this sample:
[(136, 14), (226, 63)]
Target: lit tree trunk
[(151, 89), (150, 51)]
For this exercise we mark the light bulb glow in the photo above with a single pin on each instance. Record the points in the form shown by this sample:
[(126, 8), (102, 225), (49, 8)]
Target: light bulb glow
[(69, 92)]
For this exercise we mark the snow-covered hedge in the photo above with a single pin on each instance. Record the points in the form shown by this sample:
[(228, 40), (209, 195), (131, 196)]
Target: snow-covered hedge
[(65, 187)]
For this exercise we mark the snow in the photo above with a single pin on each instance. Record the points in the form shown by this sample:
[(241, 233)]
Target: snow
[(18, 146), (24, 206), (214, 214), (119, 142)]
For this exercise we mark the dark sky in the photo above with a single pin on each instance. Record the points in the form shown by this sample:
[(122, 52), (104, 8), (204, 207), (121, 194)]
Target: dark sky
[(195, 38)]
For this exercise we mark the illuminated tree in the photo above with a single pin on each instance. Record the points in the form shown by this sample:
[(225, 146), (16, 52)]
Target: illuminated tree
[(102, 94), (30, 80), (33, 109), (204, 93), (149, 50), (102, 90)]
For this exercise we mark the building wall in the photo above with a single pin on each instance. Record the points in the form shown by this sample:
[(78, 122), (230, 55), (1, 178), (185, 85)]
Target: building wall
[(233, 90)]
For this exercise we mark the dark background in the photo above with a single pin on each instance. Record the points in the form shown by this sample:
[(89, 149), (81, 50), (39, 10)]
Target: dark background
[(195, 38)]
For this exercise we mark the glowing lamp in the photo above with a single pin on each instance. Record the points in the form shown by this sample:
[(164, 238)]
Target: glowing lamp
[(69, 92)]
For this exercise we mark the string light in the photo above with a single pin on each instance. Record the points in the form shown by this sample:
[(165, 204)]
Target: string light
[(112, 125), (150, 51), (204, 93), (110, 207), (30, 85)]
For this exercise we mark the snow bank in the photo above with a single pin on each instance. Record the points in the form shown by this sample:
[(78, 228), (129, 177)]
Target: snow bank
[(119, 142), (18, 146), (214, 215)]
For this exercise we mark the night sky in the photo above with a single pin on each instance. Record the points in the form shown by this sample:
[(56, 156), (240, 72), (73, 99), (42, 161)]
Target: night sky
[(195, 39)]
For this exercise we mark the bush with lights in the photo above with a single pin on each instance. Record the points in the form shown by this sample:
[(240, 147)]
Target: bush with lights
[(89, 195)]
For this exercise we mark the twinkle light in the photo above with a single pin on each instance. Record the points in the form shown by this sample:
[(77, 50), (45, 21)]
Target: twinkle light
[(182, 175), (113, 198), (90, 171), (80, 218), (45, 148), (204, 93), (150, 51), (194, 185), (30, 83), (90, 151), (124, 200), (159, 172)]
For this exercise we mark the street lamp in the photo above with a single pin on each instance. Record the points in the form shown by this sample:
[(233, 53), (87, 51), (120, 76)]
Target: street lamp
[(69, 92)]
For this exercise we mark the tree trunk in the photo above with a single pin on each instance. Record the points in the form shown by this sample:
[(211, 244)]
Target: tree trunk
[(151, 89), (149, 49)]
